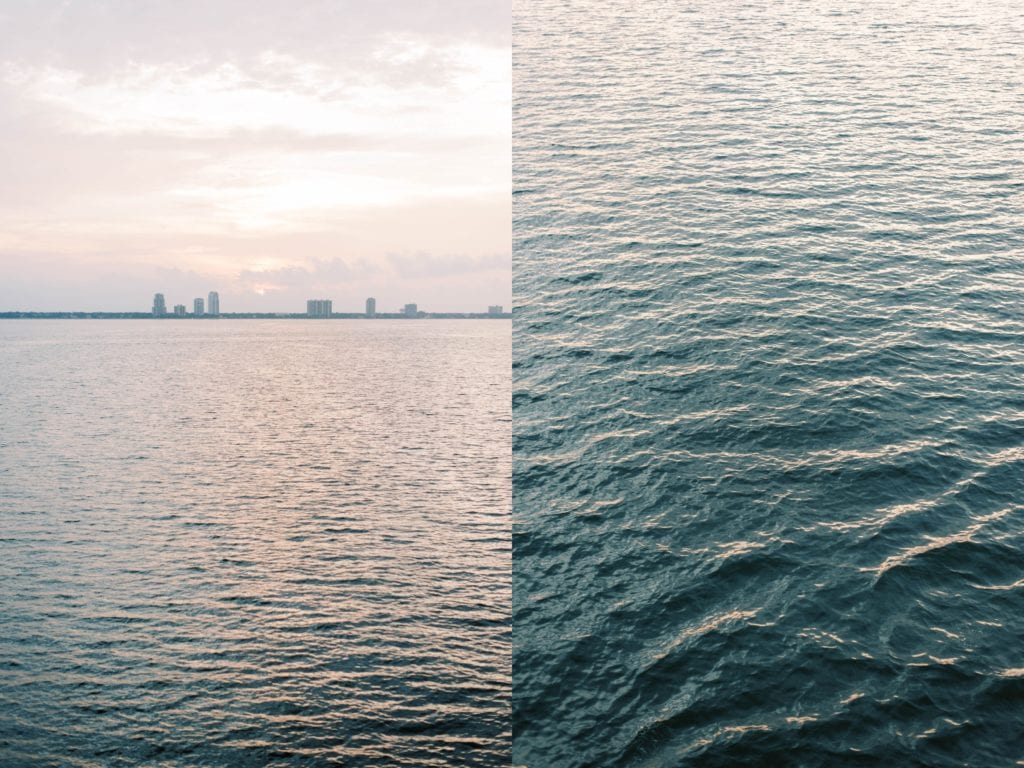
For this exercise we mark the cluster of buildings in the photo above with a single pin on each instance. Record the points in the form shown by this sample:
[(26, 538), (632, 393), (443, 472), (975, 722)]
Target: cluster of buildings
[(199, 307), (325, 308), (314, 307), (319, 307)]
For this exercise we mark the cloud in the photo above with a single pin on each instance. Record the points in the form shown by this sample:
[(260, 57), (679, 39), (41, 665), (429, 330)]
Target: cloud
[(221, 140), (280, 92), (457, 282), (98, 36)]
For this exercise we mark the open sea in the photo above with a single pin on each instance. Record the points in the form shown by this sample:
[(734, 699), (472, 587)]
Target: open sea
[(254, 543), (768, 384)]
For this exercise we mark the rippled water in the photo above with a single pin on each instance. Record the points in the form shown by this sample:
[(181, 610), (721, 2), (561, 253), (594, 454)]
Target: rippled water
[(254, 543), (768, 398)]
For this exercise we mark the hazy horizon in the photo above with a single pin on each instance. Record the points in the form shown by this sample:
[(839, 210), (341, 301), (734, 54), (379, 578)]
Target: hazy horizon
[(347, 152)]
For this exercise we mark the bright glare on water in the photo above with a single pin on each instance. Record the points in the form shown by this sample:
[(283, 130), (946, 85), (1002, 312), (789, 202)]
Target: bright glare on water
[(254, 543), (768, 383)]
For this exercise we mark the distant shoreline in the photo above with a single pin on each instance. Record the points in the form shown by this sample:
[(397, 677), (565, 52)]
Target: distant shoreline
[(251, 316)]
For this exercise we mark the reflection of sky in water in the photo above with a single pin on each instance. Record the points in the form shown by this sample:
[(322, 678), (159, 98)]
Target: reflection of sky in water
[(249, 543)]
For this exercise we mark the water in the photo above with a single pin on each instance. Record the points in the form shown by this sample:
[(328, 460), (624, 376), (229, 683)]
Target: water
[(767, 384), (254, 543)]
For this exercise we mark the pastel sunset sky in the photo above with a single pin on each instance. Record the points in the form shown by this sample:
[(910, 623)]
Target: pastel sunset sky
[(274, 151)]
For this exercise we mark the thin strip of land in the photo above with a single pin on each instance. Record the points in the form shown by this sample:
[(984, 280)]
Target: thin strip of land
[(253, 316)]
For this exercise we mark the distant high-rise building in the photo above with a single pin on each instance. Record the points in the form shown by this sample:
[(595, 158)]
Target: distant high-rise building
[(411, 310), (495, 309), (319, 308), (213, 304), (197, 307), (179, 310), (371, 307), (159, 305)]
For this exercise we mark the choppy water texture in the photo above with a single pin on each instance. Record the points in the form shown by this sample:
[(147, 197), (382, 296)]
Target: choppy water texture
[(768, 399), (254, 543)]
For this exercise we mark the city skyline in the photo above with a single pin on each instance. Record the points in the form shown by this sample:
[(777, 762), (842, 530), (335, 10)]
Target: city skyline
[(326, 157), (314, 308)]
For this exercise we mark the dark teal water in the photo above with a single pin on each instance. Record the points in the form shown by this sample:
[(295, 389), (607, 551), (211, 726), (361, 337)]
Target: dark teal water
[(768, 401), (254, 543)]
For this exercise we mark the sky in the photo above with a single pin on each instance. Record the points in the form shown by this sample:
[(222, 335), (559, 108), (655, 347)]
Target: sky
[(273, 151)]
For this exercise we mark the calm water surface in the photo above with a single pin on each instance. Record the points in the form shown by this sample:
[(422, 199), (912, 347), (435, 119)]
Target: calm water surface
[(254, 543), (769, 384)]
